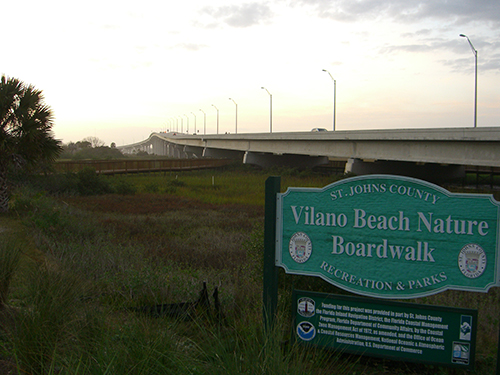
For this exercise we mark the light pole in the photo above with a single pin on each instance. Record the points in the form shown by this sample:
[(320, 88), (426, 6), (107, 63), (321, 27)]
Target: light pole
[(334, 97), (182, 125), (217, 118), (474, 51), (204, 121), (194, 122), (270, 110), (187, 124), (236, 120)]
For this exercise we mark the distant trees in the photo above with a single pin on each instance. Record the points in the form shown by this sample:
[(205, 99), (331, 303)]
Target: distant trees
[(90, 148), (94, 142), (25, 131)]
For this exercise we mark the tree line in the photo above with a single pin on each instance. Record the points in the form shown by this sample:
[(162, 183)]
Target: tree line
[(90, 148)]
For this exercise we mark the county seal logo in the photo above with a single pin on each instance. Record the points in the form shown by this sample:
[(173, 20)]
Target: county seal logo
[(300, 247), (306, 307), (472, 260)]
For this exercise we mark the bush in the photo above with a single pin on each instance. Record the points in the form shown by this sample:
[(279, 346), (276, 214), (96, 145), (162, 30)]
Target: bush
[(152, 187), (177, 183), (90, 183), (124, 187)]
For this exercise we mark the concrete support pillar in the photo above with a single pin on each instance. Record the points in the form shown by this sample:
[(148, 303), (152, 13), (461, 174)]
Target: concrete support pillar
[(193, 152)]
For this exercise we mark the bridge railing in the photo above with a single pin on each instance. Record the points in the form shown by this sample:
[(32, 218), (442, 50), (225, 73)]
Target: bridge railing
[(137, 166)]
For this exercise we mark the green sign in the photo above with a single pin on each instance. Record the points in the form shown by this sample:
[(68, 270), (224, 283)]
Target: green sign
[(389, 236), (401, 331)]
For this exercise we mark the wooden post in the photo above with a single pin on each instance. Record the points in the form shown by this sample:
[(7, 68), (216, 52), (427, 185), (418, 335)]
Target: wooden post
[(498, 352), (270, 292)]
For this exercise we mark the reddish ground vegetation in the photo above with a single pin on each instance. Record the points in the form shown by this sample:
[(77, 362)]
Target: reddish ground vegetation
[(145, 204)]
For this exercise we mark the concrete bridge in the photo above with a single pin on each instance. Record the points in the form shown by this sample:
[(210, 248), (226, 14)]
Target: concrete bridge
[(431, 154)]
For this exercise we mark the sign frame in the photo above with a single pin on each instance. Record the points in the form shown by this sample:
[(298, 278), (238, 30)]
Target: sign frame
[(430, 194)]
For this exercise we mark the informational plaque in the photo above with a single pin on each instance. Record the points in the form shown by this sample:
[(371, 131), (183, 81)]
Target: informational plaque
[(401, 331)]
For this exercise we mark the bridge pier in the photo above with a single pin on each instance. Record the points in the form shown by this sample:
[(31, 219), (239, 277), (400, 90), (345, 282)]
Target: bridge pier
[(429, 172), (193, 151)]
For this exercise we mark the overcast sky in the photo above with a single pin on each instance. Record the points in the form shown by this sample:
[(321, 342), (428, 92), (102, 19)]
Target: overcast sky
[(119, 70)]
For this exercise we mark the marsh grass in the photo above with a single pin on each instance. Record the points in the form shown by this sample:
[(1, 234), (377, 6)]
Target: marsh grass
[(74, 309), (10, 253), (49, 321)]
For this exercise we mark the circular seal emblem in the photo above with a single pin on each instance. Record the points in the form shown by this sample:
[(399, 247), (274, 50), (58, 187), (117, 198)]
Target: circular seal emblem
[(306, 307), (472, 260), (300, 247), (306, 331)]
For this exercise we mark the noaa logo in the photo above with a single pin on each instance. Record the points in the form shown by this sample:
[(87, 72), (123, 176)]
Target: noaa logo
[(472, 260), (300, 247), (306, 331), (306, 307)]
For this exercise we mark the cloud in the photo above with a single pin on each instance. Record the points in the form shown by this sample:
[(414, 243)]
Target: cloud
[(466, 65), (243, 15), (460, 11), (191, 46), (488, 60), (418, 33), (406, 48), (426, 45)]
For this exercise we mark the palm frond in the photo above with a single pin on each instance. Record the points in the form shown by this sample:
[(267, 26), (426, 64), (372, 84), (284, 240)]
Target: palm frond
[(25, 124)]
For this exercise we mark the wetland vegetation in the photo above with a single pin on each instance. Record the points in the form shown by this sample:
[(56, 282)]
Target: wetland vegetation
[(81, 254)]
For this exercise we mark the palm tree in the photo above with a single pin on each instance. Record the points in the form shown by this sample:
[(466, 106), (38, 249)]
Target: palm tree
[(25, 131)]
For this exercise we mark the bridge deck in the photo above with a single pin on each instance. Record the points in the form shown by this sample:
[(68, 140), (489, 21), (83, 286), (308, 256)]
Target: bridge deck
[(459, 146)]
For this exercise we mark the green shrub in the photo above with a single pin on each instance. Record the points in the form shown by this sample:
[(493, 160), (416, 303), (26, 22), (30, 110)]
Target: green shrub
[(177, 183), (124, 187), (152, 187), (90, 183)]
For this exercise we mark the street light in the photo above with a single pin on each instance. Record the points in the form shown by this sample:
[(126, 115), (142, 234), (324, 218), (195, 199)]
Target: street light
[(270, 110), (194, 122), (187, 124), (182, 125), (334, 97), (217, 118), (236, 121), (474, 51), (204, 122)]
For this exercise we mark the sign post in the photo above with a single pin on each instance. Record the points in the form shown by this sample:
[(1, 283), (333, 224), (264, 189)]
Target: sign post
[(270, 292)]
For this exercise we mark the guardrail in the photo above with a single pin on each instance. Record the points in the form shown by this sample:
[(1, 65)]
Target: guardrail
[(138, 166), (484, 176)]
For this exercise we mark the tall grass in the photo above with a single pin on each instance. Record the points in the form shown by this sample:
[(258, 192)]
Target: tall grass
[(74, 309), (10, 253)]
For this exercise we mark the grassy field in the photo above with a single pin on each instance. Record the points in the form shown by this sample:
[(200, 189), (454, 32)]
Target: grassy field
[(80, 273)]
